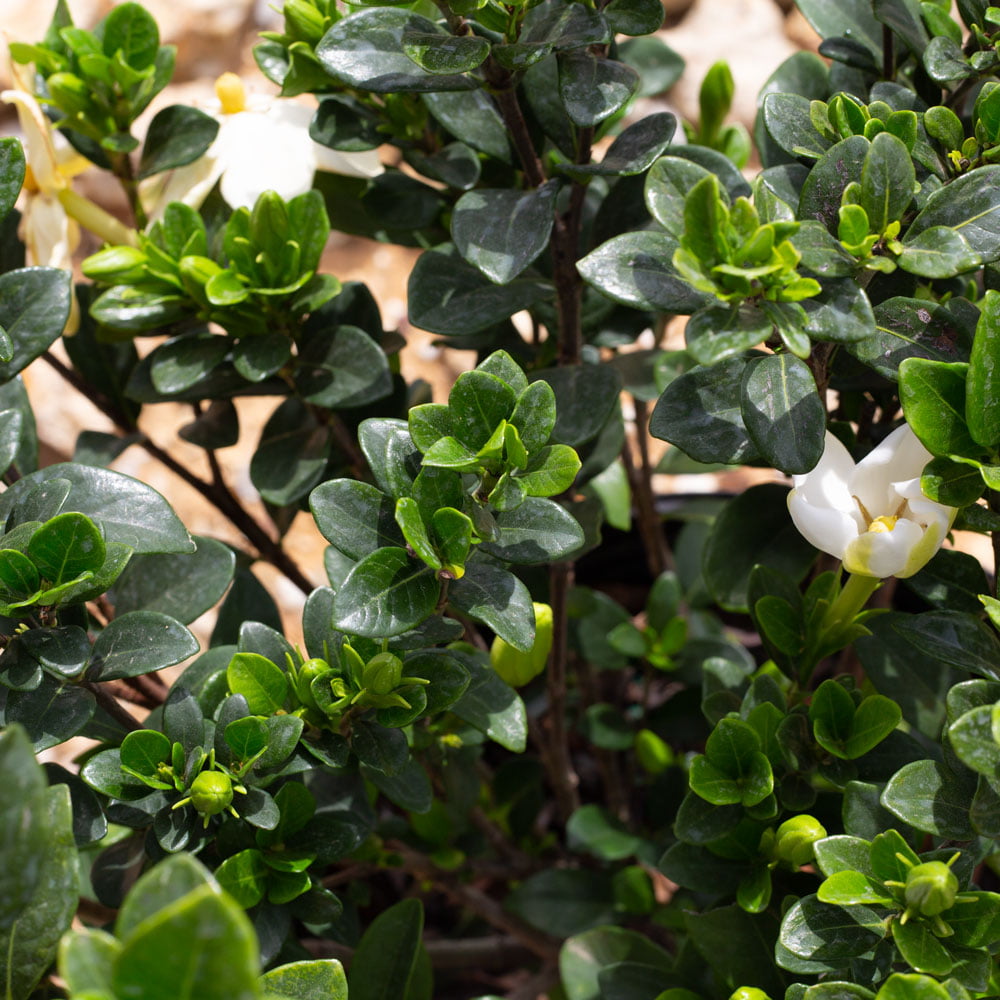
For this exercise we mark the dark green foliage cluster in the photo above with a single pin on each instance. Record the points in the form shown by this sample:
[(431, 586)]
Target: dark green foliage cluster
[(679, 761)]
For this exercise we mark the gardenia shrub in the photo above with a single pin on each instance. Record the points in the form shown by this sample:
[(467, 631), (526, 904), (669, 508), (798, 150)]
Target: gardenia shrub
[(545, 732)]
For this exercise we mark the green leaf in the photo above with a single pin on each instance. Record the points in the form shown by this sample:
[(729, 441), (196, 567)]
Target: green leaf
[(129, 511), (933, 398), (700, 413), (584, 956), (592, 88), (970, 205), (920, 948), (563, 902), (887, 181), (982, 384), (477, 403), (18, 576), (667, 185), (823, 188), (473, 115), (719, 332), (344, 370), (85, 960), (824, 933), (315, 979), (752, 528), (261, 682), (144, 751), (411, 523), (496, 597), (353, 516), (450, 297), (177, 135), (11, 172), (633, 150), (585, 396), (932, 798), (131, 30), (443, 54), (954, 638), (34, 308), (954, 484), (214, 947), (782, 412), (244, 877), (937, 252), (292, 454), (551, 470), (971, 736), (788, 123), (538, 531), (386, 957), (492, 706), (139, 642), (51, 713), (501, 232), (182, 586), (636, 269), (367, 50), (385, 594), (850, 888)]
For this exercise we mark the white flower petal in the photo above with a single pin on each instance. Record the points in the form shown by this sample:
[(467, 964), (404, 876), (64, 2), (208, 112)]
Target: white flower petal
[(50, 235), (886, 553), (827, 484), (899, 457), (829, 529), (364, 164), (38, 148), (189, 184)]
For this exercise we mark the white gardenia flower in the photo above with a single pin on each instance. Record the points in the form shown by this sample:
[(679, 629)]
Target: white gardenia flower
[(873, 515), (263, 145)]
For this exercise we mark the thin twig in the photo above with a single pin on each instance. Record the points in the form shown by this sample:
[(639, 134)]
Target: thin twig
[(110, 705)]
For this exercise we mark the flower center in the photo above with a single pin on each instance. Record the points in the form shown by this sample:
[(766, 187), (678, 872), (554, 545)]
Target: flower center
[(231, 93), (882, 524)]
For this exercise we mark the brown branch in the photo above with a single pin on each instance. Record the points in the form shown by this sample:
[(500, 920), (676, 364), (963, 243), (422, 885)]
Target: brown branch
[(216, 493), (110, 705)]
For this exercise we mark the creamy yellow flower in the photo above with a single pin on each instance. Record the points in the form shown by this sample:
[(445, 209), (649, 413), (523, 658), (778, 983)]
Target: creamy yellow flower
[(262, 145), (873, 515)]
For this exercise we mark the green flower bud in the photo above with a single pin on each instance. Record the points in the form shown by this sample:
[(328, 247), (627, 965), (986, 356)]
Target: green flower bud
[(795, 838), (518, 668), (748, 993), (930, 888), (211, 792), (382, 673), (304, 678)]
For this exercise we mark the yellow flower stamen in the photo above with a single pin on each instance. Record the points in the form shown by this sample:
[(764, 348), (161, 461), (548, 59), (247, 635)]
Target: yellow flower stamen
[(30, 184), (231, 93), (882, 524)]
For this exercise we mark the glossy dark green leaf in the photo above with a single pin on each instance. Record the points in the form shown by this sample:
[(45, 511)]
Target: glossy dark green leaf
[(182, 586), (786, 118), (129, 511), (131, 30), (852, 18), (930, 797), (450, 297), (386, 957), (971, 736), (66, 546), (501, 232), (51, 713), (34, 308), (636, 270), (385, 594), (139, 642), (367, 50), (921, 949), (11, 172), (18, 576), (592, 89), (954, 638), (184, 361), (700, 412), (633, 150), (244, 877), (496, 597), (982, 385), (633, 17), (887, 180), (822, 932), (823, 188), (585, 397), (63, 649), (443, 54), (933, 398), (538, 531), (585, 955), (938, 252), (471, 116), (752, 528), (177, 135), (945, 61), (971, 206), (144, 751), (355, 517), (292, 454), (343, 370), (492, 706), (379, 747), (782, 412), (667, 185)]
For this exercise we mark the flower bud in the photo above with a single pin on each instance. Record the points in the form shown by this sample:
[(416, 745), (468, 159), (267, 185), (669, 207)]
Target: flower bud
[(930, 888), (305, 675), (749, 993), (517, 668), (382, 673), (211, 792), (795, 838)]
